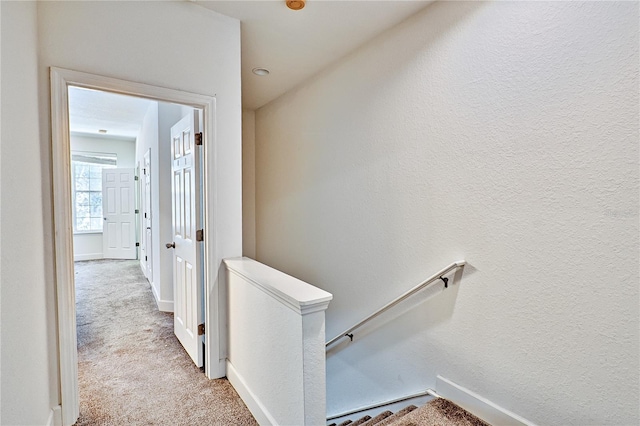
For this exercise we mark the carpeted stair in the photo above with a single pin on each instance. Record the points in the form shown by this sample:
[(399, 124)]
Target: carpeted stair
[(437, 412)]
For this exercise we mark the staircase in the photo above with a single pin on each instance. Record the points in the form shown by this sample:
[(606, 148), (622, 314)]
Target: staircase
[(439, 411)]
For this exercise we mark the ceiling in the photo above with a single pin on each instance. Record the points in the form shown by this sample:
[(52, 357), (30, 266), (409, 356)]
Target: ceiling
[(295, 45), (92, 110), (292, 45)]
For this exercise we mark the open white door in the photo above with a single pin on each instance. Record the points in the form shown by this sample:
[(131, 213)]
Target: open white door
[(118, 209), (187, 286), (147, 257)]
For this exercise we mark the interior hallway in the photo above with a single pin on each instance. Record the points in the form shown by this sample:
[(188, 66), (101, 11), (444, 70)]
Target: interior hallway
[(132, 369)]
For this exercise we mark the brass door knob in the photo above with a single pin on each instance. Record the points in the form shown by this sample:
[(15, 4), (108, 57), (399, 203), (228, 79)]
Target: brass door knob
[(171, 245)]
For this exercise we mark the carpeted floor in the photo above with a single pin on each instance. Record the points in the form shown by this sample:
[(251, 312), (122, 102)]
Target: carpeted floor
[(132, 369)]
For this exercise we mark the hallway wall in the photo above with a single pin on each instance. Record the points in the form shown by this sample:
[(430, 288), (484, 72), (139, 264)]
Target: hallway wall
[(148, 140), (29, 365), (249, 183), (502, 133)]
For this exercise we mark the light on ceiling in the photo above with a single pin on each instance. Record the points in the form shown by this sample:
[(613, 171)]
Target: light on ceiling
[(260, 71), (295, 4)]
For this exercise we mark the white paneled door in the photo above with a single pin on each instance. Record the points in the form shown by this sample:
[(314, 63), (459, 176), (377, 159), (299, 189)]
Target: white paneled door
[(118, 210), (187, 286)]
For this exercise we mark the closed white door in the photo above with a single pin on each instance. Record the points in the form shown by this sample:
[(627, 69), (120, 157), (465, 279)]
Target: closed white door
[(118, 209), (187, 285)]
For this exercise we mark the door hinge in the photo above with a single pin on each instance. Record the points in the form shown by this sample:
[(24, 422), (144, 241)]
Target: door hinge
[(144, 171), (200, 235), (200, 329), (145, 258), (145, 215), (136, 178), (137, 211), (198, 138), (137, 244)]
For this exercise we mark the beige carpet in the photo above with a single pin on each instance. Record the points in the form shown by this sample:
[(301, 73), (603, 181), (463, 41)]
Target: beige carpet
[(132, 370), (439, 412)]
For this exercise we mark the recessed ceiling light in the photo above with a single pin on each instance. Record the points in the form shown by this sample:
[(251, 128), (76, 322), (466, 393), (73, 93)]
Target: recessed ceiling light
[(260, 71), (102, 131), (295, 4)]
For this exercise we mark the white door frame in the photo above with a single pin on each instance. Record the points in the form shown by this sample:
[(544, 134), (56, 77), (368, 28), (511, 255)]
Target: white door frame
[(61, 79)]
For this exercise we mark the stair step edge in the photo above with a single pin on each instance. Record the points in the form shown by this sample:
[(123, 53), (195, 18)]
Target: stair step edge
[(397, 415)]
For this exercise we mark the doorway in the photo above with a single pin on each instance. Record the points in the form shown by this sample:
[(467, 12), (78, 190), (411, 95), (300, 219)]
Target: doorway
[(109, 134), (61, 80)]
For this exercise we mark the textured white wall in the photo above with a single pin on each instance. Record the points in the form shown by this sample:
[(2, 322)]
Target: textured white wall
[(249, 183), (28, 358), (89, 246), (502, 133)]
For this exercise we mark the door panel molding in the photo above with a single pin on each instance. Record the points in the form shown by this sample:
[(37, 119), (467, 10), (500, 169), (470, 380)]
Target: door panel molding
[(215, 350)]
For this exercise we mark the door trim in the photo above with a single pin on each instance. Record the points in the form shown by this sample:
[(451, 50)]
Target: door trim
[(215, 350)]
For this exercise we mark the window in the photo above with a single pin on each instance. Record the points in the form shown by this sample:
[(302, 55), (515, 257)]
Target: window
[(86, 170)]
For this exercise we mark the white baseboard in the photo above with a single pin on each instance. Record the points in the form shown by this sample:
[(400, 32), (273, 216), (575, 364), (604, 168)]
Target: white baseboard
[(259, 411), (477, 405), (88, 256), (163, 305), (55, 416)]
